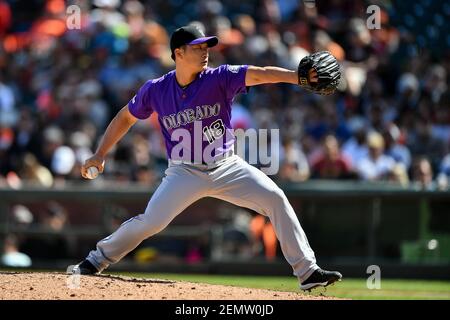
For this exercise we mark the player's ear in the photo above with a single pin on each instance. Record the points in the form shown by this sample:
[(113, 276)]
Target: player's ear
[(179, 52)]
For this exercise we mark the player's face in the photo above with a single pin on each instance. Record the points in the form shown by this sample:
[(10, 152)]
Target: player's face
[(196, 56)]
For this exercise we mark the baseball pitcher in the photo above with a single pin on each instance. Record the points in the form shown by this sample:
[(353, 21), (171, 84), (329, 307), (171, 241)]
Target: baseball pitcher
[(194, 102)]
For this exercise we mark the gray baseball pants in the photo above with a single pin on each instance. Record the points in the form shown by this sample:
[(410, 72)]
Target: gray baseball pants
[(231, 179)]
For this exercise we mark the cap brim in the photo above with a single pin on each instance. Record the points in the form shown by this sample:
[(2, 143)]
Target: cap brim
[(212, 41)]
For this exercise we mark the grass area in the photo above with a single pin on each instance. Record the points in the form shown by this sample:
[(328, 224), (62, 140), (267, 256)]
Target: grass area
[(348, 288)]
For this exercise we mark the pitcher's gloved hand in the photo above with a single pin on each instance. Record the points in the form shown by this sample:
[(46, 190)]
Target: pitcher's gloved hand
[(327, 69)]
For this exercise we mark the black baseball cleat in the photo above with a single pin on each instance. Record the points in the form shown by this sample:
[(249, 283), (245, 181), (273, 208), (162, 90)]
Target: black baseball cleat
[(320, 278), (84, 268)]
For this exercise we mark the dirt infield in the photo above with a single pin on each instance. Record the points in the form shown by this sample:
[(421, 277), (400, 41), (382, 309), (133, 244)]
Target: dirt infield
[(59, 286)]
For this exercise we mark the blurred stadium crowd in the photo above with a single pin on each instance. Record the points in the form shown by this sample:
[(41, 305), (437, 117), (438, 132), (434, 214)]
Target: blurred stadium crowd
[(390, 120)]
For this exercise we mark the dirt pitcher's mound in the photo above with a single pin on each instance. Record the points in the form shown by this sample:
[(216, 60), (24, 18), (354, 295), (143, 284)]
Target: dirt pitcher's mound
[(59, 286)]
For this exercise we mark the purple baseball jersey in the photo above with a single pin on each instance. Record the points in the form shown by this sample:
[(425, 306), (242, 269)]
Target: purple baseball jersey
[(195, 121)]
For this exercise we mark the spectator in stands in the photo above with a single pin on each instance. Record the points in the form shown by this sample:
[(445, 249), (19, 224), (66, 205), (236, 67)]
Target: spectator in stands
[(11, 256), (399, 152), (408, 89), (376, 165), (422, 175), (435, 82), (421, 142), (331, 164), (33, 173), (355, 148), (399, 175)]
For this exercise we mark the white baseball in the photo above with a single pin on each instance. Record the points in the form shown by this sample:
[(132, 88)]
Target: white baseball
[(92, 172)]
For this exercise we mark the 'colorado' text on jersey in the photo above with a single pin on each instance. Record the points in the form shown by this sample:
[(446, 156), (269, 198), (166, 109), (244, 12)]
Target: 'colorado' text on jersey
[(206, 100)]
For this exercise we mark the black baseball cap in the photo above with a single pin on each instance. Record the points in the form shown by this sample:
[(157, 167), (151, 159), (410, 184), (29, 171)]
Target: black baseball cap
[(190, 35)]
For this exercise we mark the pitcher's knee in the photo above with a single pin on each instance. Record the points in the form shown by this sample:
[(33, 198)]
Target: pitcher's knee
[(151, 225), (275, 198)]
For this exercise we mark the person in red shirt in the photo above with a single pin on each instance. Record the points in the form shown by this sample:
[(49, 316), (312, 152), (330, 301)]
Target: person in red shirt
[(331, 164)]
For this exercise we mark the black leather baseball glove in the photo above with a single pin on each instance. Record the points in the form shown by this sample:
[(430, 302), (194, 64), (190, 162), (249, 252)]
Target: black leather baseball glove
[(328, 72)]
